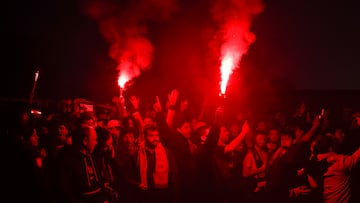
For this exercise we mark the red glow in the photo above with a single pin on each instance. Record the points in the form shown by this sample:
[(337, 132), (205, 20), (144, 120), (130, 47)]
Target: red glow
[(236, 41), (125, 31), (123, 79), (35, 112), (234, 18), (227, 66)]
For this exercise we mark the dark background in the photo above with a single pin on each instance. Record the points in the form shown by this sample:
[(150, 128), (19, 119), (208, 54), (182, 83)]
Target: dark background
[(301, 45)]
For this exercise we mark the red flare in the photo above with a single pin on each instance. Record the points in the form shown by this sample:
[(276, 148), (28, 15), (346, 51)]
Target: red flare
[(227, 66), (123, 79)]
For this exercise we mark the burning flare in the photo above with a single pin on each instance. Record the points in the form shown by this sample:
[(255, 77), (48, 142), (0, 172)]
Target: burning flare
[(234, 18), (123, 25), (227, 67), (123, 79)]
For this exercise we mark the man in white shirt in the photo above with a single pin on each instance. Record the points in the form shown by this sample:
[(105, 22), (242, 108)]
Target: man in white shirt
[(337, 186)]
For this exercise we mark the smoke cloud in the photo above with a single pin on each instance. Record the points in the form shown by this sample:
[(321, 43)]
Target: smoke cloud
[(123, 25), (233, 39)]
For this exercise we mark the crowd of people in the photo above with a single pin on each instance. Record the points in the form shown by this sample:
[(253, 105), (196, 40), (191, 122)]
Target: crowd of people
[(166, 154)]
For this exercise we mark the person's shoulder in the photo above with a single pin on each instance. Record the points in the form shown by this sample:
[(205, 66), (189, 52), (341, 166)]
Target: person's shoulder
[(338, 162), (248, 155), (336, 158)]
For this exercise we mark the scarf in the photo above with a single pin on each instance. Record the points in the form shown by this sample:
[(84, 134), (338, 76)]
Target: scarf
[(90, 171), (161, 173)]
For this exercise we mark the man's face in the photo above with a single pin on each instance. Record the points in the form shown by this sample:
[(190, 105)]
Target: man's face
[(204, 134), (101, 123), (152, 138), (25, 117), (34, 139), (234, 129), (339, 135), (261, 126), (62, 130), (260, 140), (90, 123), (115, 131), (108, 144), (44, 130), (299, 133), (114, 127), (185, 130), (128, 138), (224, 134), (91, 140), (108, 147), (131, 123), (274, 136), (286, 141), (148, 121)]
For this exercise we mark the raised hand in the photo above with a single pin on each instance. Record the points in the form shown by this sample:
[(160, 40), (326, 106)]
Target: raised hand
[(143, 186), (316, 122), (302, 108), (120, 101), (157, 106), (43, 153), (245, 128), (172, 97), (134, 102), (184, 105)]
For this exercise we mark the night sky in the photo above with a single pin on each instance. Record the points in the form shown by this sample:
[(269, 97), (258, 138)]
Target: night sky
[(301, 44)]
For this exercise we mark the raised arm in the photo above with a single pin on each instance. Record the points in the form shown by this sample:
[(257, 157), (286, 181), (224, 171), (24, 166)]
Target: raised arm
[(165, 122), (137, 116), (235, 142), (351, 161), (300, 110), (120, 106), (172, 98), (309, 134)]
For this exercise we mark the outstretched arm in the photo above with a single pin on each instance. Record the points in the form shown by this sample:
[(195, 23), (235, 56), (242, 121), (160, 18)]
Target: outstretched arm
[(245, 130)]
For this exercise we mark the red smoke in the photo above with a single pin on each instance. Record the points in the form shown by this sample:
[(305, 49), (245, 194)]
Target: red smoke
[(234, 37), (124, 27)]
